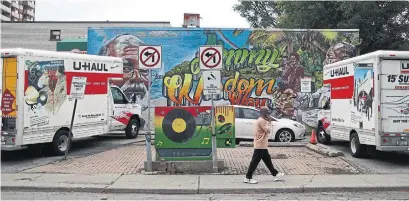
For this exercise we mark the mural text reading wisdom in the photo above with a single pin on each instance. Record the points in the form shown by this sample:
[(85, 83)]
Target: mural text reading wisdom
[(237, 90)]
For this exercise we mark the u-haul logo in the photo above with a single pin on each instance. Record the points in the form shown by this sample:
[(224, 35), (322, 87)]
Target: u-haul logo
[(89, 66), (404, 66), (339, 71)]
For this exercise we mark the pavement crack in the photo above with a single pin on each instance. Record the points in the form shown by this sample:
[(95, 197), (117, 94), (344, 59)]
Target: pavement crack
[(198, 184), (309, 181), (116, 179), (111, 183), (365, 180), (28, 178), (313, 176)]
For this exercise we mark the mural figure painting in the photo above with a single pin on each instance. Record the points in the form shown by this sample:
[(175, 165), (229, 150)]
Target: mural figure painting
[(261, 67), (135, 80)]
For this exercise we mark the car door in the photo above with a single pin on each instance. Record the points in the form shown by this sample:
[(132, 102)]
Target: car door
[(239, 122), (250, 117), (119, 118)]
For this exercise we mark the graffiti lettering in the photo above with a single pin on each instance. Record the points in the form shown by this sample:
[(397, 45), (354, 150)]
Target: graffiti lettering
[(178, 89), (263, 60), (239, 90)]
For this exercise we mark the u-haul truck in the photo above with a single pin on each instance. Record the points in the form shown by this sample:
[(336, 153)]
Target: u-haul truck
[(369, 104), (36, 107)]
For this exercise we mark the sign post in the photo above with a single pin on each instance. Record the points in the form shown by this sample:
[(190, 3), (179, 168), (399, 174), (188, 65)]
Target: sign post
[(211, 64), (150, 57), (78, 85)]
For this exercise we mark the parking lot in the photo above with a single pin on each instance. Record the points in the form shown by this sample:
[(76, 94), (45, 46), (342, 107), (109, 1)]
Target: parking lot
[(17, 161), (116, 154)]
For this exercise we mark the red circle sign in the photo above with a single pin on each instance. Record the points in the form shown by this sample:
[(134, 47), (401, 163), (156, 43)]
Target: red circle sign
[(213, 56), (149, 56)]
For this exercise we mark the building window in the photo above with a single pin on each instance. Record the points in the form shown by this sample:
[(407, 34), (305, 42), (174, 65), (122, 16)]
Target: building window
[(55, 35)]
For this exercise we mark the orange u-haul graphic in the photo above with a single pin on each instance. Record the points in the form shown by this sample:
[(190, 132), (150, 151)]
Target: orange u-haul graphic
[(9, 86)]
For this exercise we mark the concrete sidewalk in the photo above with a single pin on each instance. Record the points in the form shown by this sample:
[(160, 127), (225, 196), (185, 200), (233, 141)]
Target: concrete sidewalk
[(204, 184)]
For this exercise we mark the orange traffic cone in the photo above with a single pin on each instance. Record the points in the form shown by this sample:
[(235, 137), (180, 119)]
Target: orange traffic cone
[(313, 139)]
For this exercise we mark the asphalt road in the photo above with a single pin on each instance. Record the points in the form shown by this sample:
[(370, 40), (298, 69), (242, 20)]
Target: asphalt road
[(17, 161), (394, 195), (382, 162)]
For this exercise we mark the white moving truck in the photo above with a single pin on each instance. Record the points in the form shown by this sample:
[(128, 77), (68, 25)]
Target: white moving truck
[(369, 103), (36, 107)]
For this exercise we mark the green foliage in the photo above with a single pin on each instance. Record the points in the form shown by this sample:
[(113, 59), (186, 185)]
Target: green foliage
[(318, 79), (260, 14), (382, 24), (180, 69)]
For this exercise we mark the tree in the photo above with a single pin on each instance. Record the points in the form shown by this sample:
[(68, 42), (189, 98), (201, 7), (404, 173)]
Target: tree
[(382, 25), (260, 14)]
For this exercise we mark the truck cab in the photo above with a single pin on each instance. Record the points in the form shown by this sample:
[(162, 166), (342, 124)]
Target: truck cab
[(124, 113)]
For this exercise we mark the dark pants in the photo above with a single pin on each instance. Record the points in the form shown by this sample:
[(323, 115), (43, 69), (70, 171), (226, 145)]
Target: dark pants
[(260, 154)]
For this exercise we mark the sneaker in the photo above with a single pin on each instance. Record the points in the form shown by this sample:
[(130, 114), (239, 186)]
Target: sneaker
[(278, 176), (250, 181)]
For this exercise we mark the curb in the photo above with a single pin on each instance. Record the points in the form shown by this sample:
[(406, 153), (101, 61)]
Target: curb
[(208, 190), (54, 189), (250, 190), (276, 144), (324, 150), (151, 191), (355, 189)]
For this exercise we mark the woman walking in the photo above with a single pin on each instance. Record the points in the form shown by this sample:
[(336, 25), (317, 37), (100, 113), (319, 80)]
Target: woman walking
[(263, 128)]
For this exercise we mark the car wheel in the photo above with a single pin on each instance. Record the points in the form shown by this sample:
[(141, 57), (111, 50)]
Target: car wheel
[(132, 130), (357, 149), (322, 136), (285, 135)]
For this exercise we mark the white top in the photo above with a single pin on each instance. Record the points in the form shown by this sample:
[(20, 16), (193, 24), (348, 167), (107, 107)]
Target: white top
[(54, 54), (379, 53)]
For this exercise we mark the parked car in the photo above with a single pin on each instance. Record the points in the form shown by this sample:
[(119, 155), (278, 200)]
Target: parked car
[(284, 130)]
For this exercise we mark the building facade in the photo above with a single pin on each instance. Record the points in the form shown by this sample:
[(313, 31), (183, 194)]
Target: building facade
[(44, 35), (17, 11)]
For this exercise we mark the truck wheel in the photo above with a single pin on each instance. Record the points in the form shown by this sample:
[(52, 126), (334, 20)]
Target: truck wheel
[(371, 151), (61, 142), (322, 136), (357, 149), (132, 130)]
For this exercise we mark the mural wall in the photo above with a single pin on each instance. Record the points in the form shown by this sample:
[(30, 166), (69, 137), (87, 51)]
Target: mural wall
[(260, 67)]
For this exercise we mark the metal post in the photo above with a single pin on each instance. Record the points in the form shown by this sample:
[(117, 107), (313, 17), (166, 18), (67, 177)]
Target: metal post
[(148, 135), (70, 134), (214, 142)]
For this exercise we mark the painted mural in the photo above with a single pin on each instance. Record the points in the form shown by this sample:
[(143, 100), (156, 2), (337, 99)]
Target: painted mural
[(261, 67)]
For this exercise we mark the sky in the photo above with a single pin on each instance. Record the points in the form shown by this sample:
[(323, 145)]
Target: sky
[(214, 13)]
